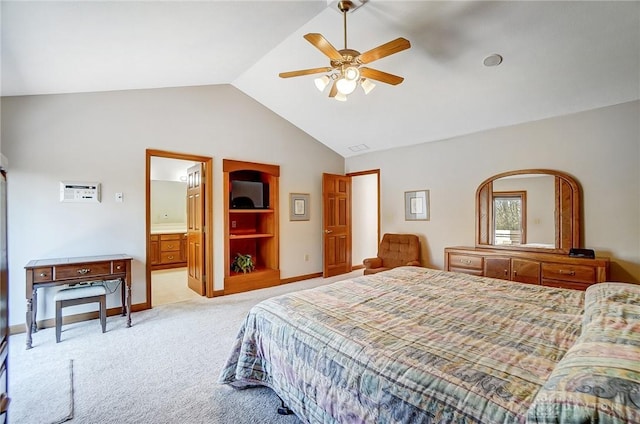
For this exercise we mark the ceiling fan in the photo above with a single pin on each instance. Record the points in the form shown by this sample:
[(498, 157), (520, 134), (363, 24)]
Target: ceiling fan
[(346, 70)]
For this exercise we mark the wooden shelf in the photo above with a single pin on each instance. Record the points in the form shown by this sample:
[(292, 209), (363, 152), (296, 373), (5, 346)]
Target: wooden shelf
[(251, 231), (232, 211), (248, 236)]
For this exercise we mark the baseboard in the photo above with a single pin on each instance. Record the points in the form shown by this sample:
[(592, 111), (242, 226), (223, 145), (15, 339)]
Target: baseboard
[(300, 278), (70, 319)]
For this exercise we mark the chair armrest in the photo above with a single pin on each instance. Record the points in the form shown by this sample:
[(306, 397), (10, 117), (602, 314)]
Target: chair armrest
[(413, 263), (372, 263)]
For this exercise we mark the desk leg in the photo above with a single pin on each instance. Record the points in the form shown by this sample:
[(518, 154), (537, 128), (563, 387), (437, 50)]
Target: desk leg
[(128, 302), (30, 318), (123, 283), (28, 321), (34, 322)]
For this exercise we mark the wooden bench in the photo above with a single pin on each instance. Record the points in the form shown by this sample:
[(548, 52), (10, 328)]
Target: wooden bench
[(79, 295)]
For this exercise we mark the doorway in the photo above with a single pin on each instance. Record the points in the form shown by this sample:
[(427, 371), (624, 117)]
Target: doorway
[(175, 271), (365, 199), (346, 240)]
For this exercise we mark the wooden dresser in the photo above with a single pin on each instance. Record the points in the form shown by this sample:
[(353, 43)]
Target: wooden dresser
[(547, 269), (168, 250)]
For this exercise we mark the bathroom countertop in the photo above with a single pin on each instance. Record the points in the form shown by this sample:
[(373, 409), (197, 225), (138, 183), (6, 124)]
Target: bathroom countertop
[(168, 228)]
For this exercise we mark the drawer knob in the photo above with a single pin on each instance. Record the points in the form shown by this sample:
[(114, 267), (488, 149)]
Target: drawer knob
[(170, 257), (119, 267), (83, 271), (465, 261), (43, 274), (572, 273)]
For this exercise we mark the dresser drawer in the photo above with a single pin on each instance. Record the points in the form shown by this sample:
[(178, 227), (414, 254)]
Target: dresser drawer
[(575, 273), (477, 272), (465, 261), (170, 246), (84, 270), (42, 275), (169, 257), (566, 284), (170, 237)]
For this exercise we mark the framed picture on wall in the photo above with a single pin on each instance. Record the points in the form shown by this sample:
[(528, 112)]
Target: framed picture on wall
[(298, 206), (416, 205)]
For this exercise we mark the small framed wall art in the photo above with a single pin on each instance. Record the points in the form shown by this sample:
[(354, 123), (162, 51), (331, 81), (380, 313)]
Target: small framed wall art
[(416, 205), (298, 206)]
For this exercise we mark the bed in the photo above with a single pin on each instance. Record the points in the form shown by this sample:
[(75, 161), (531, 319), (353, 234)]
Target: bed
[(415, 345)]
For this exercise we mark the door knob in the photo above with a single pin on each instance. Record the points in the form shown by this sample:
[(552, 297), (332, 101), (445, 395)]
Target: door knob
[(328, 231)]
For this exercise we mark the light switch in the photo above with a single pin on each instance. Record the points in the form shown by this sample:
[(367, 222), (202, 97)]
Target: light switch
[(119, 197)]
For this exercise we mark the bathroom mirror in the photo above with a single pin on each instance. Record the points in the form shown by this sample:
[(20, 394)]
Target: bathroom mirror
[(529, 209)]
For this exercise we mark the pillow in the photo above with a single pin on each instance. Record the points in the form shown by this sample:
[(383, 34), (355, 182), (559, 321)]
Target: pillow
[(598, 380), (606, 298)]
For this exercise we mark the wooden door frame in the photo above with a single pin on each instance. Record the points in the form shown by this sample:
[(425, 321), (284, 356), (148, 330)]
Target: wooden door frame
[(208, 215)]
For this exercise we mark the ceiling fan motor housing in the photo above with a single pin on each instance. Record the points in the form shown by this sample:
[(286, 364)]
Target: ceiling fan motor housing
[(349, 58)]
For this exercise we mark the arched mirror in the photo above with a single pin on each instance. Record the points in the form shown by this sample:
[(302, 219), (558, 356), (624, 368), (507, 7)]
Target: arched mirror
[(529, 209)]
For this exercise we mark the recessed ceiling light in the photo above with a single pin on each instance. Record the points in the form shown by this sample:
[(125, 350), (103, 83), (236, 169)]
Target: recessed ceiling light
[(492, 60)]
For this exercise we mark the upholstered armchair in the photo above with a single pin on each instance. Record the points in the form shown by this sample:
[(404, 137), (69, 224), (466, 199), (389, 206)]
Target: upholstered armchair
[(394, 250)]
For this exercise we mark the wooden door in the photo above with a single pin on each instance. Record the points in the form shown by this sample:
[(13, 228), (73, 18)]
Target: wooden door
[(525, 271), (497, 268), (336, 198), (195, 229)]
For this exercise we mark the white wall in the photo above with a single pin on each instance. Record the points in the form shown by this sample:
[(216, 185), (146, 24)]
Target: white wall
[(103, 136), (168, 202), (364, 210), (600, 148)]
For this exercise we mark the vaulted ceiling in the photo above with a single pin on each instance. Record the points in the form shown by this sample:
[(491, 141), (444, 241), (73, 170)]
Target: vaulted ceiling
[(559, 58)]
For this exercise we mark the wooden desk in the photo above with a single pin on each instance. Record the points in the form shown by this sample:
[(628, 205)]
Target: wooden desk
[(56, 272)]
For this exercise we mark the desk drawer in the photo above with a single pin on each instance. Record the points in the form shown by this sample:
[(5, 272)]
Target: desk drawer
[(83, 270), (119, 266), (575, 273), (42, 275)]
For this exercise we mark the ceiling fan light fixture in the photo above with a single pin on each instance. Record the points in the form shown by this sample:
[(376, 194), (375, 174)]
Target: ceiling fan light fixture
[(346, 86), (352, 73), (367, 85), (340, 97), (322, 82)]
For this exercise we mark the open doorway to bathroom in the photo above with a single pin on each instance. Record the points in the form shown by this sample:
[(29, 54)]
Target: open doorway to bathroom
[(178, 244), (365, 204)]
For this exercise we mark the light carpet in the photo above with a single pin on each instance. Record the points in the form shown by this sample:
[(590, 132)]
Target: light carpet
[(161, 370)]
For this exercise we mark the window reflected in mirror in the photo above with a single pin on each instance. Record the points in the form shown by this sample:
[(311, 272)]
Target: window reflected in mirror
[(509, 216)]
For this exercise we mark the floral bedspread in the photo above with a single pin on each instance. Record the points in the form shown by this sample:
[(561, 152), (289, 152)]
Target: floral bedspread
[(410, 345), (598, 380)]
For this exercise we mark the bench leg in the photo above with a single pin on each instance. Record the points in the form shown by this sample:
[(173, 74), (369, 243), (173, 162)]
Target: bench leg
[(58, 320), (103, 313)]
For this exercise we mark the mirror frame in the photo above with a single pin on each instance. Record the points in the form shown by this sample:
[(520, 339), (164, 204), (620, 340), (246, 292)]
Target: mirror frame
[(567, 212)]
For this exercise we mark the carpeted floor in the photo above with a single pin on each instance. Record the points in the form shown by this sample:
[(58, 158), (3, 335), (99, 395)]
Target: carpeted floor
[(161, 370)]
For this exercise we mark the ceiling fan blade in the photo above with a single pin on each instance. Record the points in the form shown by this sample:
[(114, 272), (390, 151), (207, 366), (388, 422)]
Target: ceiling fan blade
[(387, 49), (323, 45), (374, 74), (334, 90), (303, 72)]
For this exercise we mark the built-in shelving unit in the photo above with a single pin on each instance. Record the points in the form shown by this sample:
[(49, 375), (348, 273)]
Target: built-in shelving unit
[(249, 230)]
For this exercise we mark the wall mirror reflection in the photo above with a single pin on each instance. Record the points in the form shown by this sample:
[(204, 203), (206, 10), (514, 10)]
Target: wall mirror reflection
[(532, 209)]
